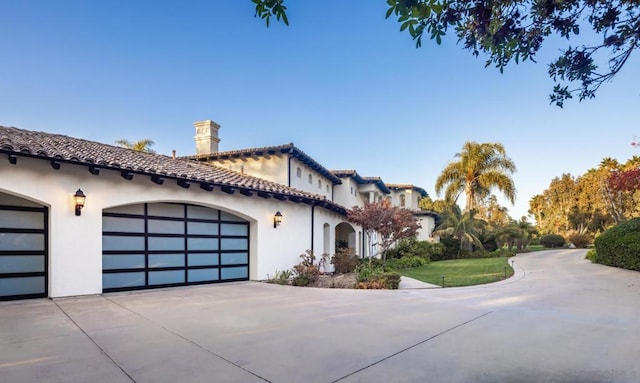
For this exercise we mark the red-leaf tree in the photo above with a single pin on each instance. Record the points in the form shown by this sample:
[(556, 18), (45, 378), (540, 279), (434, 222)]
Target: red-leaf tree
[(391, 223), (626, 180)]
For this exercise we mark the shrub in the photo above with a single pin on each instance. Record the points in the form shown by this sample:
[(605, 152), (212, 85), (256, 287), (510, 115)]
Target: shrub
[(371, 277), (490, 244), (411, 247), (591, 255), (344, 261), (282, 277), (552, 241), (450, 249), (620, 246), (406, 263), (367, 271), (306, 272), (579, 239)]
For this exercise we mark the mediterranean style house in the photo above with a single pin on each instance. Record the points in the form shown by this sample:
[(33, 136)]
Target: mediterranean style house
[(79, 217)]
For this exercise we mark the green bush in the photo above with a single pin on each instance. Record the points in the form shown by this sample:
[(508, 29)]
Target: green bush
[(552, 241), (406, 263), (374, 277), (344, 260), (411, 247), (366, 271), (591, 255), (450, 249), (620, 246)]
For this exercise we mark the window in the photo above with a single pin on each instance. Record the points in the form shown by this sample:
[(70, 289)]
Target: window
[(402, 200), (299, 173), (319, 184), (351, 190), (327, 188), (310, 179)]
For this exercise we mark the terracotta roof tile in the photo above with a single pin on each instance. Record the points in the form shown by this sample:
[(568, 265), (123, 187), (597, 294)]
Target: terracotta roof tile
[(48, 146)]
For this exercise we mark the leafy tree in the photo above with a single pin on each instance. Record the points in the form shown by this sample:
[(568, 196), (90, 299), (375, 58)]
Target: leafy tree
[(480, 168), (143, 145), (506, 31), (391, 223), (462, 226), (438, 206), (495, 215)]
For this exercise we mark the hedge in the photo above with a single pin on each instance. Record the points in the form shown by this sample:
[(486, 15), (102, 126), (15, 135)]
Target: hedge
[(620, 246)]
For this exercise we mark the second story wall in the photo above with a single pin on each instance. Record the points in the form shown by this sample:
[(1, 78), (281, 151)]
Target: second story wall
[(272, 168), (306, 179), (348, 194)]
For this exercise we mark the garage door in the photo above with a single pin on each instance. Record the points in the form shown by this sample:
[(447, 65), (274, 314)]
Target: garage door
[(23, 249), (164, 244)]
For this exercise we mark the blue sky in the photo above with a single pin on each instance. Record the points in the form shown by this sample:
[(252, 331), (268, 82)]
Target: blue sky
[(340, 82)]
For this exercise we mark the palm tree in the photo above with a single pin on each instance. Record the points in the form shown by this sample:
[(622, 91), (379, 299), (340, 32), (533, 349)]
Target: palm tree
[(480, 168), (462, 226), (143, 145)]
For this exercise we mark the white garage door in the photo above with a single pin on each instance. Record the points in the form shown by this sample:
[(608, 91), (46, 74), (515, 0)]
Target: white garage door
[(23, 249), (165, 244)]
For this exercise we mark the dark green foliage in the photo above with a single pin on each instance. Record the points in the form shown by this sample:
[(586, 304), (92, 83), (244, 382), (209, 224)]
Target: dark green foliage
[(490, 244), (552, 241), (411, 247), (344, 261), (406, 262), (451, 249), (620, 246)]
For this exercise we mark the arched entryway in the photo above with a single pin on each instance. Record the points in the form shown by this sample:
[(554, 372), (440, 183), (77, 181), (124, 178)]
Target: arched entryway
[(23, 248), (345, 236), (152, 245)]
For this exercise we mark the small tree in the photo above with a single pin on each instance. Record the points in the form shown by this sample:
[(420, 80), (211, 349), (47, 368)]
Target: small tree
[(392, 223)]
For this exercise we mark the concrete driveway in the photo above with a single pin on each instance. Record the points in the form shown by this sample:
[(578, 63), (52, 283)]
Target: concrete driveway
[(561, 319)]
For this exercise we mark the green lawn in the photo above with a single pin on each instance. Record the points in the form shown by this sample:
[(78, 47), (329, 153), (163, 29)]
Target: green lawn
[(461, 272)]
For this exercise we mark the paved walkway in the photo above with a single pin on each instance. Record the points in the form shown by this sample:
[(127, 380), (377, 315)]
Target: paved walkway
[(563, 320), (407, 283)]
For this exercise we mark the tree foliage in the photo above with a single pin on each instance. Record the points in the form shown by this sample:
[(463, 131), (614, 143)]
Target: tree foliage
[(507, 31), (480, 168), (589, 204), (391, 223), (143, 145), (462, 226)]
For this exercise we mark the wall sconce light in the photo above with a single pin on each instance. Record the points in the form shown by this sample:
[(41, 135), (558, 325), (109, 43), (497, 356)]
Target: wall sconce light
[(79, 197), (277, 219)]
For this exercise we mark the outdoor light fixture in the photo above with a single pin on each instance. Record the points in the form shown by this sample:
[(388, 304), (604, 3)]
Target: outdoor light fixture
[(277, 219), (79, 197)]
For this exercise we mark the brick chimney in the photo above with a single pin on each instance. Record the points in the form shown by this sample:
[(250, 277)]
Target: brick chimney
[(206, 137)]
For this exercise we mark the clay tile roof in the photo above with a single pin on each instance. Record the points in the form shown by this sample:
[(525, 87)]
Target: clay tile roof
[(56, 147), (379, 183), (268, 151), (348, 174), (420, 190)]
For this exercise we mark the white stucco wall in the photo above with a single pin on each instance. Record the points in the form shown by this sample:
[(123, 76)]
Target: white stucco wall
[(428, 224), (75, 243), (302, 182), (273, 169), (347, 194)]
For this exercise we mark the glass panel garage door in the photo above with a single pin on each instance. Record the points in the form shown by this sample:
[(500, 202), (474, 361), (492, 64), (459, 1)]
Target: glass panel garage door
[(165, 244), (23, 249)]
